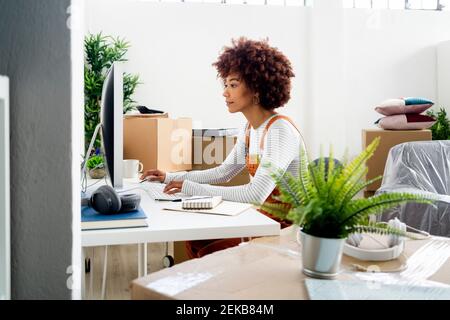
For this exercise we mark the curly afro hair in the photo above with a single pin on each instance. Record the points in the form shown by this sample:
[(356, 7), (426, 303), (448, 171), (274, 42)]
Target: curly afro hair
[(264, 69)]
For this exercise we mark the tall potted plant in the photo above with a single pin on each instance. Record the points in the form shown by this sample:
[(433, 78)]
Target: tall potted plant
[(100, 53), (321, 202)]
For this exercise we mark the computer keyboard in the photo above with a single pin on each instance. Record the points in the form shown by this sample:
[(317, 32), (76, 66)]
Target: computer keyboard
[(155, 191)]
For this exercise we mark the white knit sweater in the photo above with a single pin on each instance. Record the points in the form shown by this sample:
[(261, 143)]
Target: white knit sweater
[(281, 149)]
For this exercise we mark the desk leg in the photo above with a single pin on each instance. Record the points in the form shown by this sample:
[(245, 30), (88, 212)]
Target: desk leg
[(142, 259), (83, 274), (91, 275), (105, 263)]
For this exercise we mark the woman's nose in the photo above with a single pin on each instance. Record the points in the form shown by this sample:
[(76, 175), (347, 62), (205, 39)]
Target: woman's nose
[(225, 93)]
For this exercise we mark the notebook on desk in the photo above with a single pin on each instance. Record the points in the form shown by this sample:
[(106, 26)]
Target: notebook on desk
[(225, 208), (92, 220), (201, 202)]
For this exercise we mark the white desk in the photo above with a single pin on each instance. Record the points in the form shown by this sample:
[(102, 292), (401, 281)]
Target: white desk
[(168, 226)]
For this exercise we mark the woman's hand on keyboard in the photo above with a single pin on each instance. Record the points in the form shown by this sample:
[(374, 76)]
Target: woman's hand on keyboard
[(173, 187), (154, 175)]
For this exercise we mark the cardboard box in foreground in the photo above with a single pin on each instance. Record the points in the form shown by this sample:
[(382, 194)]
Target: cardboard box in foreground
[(266, 268)]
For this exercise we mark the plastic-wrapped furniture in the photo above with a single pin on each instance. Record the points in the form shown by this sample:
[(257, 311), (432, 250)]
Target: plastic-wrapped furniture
[(421, 167)]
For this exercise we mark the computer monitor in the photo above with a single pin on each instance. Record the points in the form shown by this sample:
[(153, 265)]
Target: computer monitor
[(111, 120), (110, 127)]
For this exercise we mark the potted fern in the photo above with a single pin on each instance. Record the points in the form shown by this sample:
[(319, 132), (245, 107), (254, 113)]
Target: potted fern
[(321, 202)]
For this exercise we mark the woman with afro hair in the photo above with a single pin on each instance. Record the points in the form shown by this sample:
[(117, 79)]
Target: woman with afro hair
[(257, 81)]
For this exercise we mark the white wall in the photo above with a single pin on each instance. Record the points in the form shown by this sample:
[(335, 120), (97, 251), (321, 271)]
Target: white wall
[(443, 70), (174, 45), (345, 60), (361, 57)]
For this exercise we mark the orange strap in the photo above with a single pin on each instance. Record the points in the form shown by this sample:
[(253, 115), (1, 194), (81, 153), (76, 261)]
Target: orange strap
[(266, 129)]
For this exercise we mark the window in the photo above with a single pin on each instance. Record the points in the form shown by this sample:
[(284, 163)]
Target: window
[(369, 4), (399, 4), (298, 3)]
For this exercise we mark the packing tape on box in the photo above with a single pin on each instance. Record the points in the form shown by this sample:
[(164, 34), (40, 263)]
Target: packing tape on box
[(173, 285)]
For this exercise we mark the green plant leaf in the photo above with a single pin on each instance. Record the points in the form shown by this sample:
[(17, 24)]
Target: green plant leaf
[(360, 208), (382, 228), (95, 162), (351, 173), (441, 129), (279, 210)]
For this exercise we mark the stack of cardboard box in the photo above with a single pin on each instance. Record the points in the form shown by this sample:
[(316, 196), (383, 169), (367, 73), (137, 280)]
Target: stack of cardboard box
[(168, 145)]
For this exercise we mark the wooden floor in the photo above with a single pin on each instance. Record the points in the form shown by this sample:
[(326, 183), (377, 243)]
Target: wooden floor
[(121, 269)]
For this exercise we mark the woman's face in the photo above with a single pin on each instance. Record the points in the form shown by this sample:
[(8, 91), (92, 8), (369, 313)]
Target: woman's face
[(238, 96)]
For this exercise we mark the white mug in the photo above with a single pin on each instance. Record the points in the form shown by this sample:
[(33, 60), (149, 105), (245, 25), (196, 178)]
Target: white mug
[(132, 168)]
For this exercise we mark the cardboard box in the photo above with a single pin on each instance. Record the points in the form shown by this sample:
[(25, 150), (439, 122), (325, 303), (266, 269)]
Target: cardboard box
[(267, 268), (158, 142), (389, 138)]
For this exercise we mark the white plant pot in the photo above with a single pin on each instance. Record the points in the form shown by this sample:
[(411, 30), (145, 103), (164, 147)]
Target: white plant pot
[(321, 257)]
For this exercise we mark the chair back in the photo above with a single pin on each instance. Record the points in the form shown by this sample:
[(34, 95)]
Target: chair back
[(423, 165)]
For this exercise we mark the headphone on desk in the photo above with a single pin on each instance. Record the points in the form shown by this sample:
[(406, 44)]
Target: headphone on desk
[(393, 247), (107, 201)]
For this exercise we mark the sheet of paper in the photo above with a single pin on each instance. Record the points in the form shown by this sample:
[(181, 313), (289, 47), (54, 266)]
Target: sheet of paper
[(226, 208)]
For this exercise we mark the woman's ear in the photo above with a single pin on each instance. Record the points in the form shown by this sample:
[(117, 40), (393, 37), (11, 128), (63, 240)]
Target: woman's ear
[(256, 98)]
